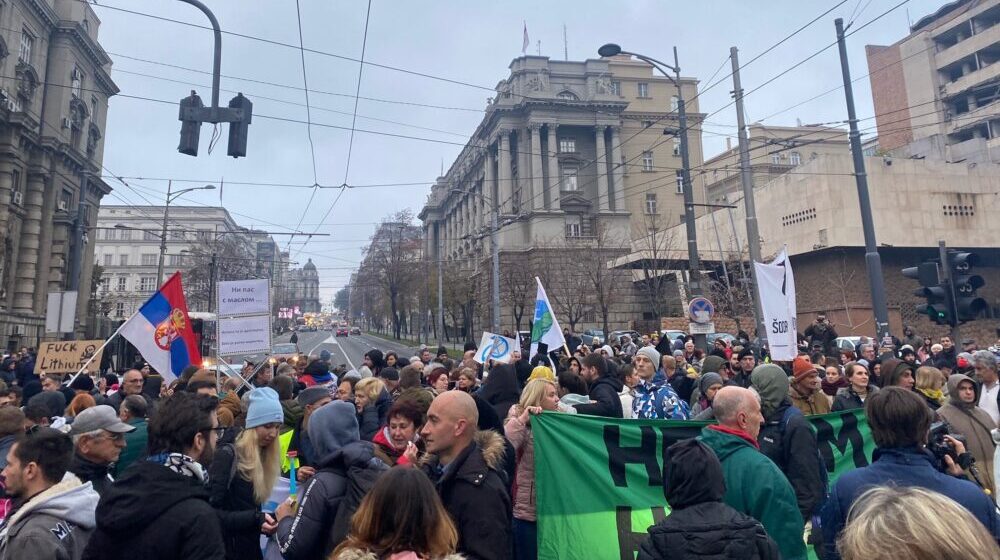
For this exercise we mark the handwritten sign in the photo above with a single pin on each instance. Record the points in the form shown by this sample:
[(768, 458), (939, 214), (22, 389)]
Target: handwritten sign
[(68, 356)]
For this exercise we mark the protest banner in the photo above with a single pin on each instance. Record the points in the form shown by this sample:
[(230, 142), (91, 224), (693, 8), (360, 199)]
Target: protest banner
[(599, 481), (69, 356), (776, 289), (495, 347)]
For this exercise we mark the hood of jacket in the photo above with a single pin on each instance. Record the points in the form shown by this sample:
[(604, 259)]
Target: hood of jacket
[(694, 475), (953, 382), (331, 428), (892, 370), (70, 500), (142, 494), (771, 383), (712, 364), (293, 412), (613, 382)]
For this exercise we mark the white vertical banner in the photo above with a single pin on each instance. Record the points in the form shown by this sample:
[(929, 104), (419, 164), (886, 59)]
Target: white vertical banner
[(776, 288)]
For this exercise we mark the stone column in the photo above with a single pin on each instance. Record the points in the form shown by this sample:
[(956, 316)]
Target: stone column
[(617, 175), (601, 166), (555, 182), (505, 184), (537, 178), (523, 170), (27, 259), (489, 190)]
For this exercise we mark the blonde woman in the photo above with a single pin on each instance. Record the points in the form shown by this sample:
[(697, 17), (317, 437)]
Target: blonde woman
[(368, 401), (912, 523), (928, 384), (244, 473), (538, 395)]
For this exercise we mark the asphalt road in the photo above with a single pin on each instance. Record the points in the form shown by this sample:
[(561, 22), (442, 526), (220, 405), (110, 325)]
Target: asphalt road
[(348, 350)]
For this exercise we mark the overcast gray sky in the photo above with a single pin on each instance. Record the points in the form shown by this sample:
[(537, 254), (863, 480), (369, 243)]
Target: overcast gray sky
[(467, 41)]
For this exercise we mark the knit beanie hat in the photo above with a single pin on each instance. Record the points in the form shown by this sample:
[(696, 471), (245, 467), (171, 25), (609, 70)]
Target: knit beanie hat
[(264, 408), (83, 382), (651, 353), (312, 395), (801, 368), (712, 364)]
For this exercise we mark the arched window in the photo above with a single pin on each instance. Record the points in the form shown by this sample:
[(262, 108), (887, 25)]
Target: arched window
[(567, 95)]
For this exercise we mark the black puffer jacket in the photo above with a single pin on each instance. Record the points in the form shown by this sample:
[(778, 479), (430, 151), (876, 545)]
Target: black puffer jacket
[(793, 448), (88, 471), (700, 524), (476, 496), (239, 514), (606, 392), (154, 513)]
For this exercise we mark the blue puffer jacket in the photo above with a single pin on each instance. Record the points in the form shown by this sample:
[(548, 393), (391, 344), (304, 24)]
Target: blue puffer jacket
[(901, 467)]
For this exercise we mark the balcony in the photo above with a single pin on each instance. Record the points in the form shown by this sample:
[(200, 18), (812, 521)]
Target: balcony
[(987, 73), (967, 47)]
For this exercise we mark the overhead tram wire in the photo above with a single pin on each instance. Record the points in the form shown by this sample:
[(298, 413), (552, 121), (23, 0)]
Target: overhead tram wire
[(305, 89)]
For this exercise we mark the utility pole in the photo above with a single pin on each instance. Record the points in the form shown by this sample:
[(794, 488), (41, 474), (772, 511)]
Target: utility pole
[(872, 260), (440, 267), (163, 238), (495, 256), (750, 206)]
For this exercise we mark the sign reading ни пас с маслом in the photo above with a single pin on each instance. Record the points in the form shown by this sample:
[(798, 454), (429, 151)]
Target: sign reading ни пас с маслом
[(244, 297)]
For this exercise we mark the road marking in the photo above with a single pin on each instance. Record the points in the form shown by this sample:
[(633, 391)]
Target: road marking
[(330, 340)]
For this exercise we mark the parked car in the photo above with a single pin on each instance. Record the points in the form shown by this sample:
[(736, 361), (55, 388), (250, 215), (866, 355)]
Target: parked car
[(847, 343), (286, 350), (672, 334), (356, 330), (591, 337), (711, 338), (616, 337), (342, 331)]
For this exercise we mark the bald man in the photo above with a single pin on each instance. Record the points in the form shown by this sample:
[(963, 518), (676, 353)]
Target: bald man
[(466, 465), (754, 484)]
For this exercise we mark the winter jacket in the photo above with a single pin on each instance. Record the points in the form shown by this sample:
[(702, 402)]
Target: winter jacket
[(627, 396), (816, 403), (658, 401), (520, 436), (683, 382), (757, 487), (239, 514), (6, 443), (368, 422), (135, 445), (973, 423), (55, 524), (501, 390), (293, 413), (708, 530), (230, 408), (333, 430), (154, 513), (386, 451), (605, 392), (847, 399), (88, 471), (912, 467), (358, 554), (794, 449), (474, 492)]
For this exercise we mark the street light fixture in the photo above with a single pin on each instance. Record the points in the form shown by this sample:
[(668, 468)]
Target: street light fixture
[(694, 266), (171, 196)]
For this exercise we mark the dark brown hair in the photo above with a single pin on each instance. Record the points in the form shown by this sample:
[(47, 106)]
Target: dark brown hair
[(402, 512), (898, 418)]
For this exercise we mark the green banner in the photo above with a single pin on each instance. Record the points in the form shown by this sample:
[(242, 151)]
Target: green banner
[(599, 481)]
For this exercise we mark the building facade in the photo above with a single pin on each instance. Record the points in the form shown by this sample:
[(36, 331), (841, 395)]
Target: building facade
[(128, 250), (936, 90), (774, 151), (573, 159), (54, 90), (302, 289)]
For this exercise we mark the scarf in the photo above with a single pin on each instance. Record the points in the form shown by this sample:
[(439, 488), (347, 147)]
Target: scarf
[(831, 388), (181, 464), (735, 432), (936, 395)]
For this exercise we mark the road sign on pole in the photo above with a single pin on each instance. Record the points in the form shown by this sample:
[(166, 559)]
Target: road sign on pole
[(701, 310)]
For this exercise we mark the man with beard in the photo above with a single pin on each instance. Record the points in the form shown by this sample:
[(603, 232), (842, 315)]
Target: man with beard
[(159, 508)]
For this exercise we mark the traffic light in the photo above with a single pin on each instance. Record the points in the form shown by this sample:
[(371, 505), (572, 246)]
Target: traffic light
[(238, 130), (190, 125), (967, 305), (934, 290)]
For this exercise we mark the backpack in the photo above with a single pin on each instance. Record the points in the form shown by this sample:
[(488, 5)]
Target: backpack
[(360, 481), (824, 475)]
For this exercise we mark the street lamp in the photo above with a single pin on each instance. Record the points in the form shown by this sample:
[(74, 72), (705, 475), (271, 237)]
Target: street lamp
[(694, 266), (171, 196)]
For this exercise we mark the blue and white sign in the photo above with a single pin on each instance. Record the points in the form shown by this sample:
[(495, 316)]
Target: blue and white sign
[(495, 347), (701, 310)]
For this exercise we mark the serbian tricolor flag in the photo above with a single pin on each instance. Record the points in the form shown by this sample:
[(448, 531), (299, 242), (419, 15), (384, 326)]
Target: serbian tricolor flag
[(161, 331)]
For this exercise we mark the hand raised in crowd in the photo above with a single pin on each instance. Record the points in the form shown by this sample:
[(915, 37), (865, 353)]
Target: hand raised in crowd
[(525, 417), (304, 473), (411, 453)]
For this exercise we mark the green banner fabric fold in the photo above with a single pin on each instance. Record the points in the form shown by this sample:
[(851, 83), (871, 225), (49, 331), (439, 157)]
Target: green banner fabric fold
[(599, 481)]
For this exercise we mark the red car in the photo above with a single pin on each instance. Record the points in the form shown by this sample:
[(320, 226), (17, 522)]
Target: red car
[(342, 331)]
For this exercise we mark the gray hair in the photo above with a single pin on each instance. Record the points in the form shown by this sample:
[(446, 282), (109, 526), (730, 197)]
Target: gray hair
[(867, 347), (135, 405), (91, 434), (984, 358)]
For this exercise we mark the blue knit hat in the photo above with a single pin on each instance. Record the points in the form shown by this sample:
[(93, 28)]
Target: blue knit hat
[(264, 408)]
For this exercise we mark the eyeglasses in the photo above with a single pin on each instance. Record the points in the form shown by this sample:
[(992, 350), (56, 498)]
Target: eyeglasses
[(112, 436), (219, 430)]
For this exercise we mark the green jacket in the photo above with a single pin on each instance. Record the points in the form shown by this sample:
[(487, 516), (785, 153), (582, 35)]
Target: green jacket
[(755, 486), (135, 445)]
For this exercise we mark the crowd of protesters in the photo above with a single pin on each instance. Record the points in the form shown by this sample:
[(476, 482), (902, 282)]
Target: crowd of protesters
[(433, 456)]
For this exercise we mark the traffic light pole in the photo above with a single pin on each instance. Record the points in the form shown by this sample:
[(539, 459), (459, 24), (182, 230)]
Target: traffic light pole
[(949, 290), (872, 259)]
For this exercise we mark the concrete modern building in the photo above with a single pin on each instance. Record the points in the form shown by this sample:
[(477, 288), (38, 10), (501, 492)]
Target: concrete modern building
[(302, 289), (54, 90), (573, 156), (774, 151), (815, 214), (128, 249), (936, 90)]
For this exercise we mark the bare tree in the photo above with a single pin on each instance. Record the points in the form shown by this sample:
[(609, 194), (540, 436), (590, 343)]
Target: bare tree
[(728, 291), (393, 256), (517, 286), (232, 262), (604, 283), (655, 245), (568, 288)]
